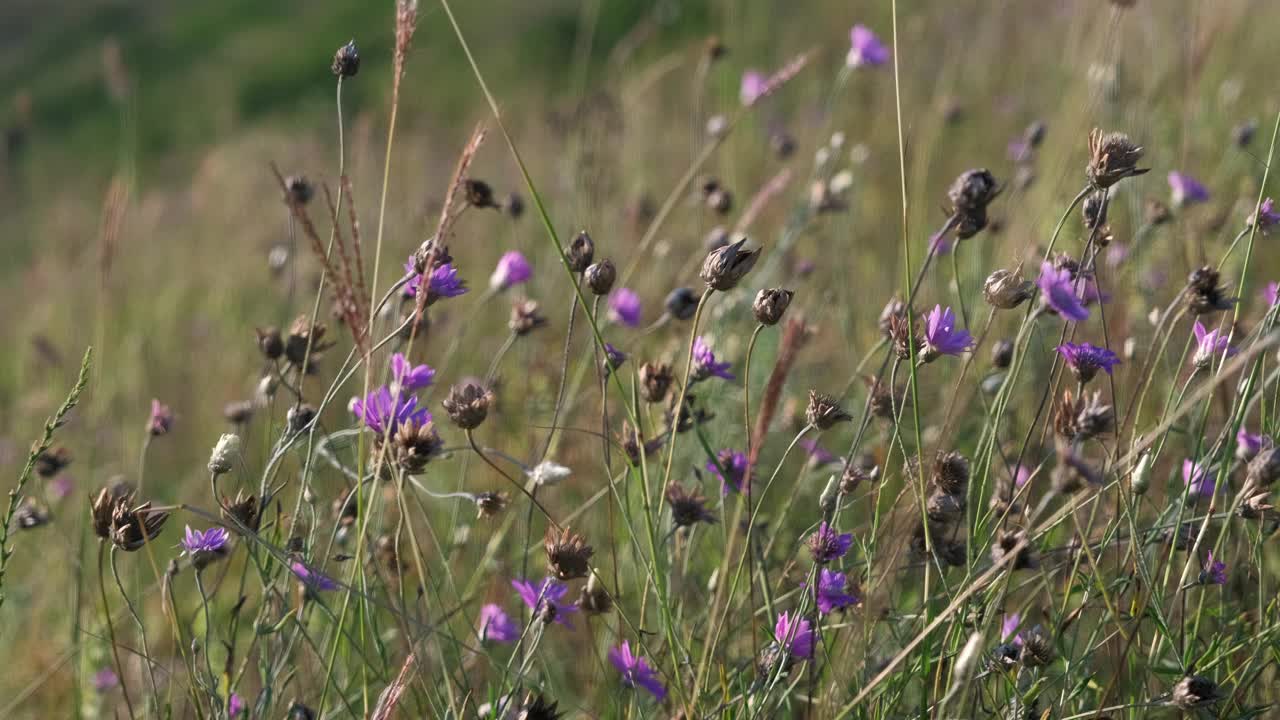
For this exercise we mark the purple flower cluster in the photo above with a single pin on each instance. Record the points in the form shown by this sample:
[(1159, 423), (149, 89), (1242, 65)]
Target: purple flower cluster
[(831, 592), (1214, 571), (1185, 190), (313, 580), (794, 634), (753, 86), (390, 406), (1266, 217), (1199, 479), (1211, 346)]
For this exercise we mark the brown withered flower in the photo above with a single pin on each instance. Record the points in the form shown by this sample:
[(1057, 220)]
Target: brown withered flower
[(297, 190), (892, 309), (479, 194), (102, 505), (903, 339), (490, 504), (1094, 210), (692, 414), (468, 405), (580, 253), (1006, 289), (883, 403), (942, 507), (601, 276), (1256, 506), (770, 304), (132, 527), (688, 506), (823, 411), (537, 707), (1037, 648), (567, 554), (856, 473), (951, 472), (635, 449), (1194, 691), (1112, 158), (973, 191), (1006, 548), (246, 511), (270, 342), (346, 61), (1205, 293), (1082, 418), (414, 444), (725, 266), (525, 317), (52, 461), (1264, 468), (655, 381), (594, 599), (301, 334)]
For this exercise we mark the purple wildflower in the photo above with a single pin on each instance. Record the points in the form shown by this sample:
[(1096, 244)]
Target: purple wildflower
[(613, 358), (407, 377), (865, 49), (383, 412), (512, 270), (1086, 359), (235, 705), (624, 307), (636, 671), (497, 626), (940, 244), (313, 579), (1186, 190), (794, 634), (1214, 571), (1249, 445), (704, 362), (1009, 628), (734, 466), (818, 455), (444, 283), (546, 595), (105, 679), (753, 86), (161, 420), (941, 337), (831, 594), (1058, 293), (204, 547), (1210, 344), (1266, 217), (1198, 478), (61, 486), (1021, 475), (826, 544), (1271, 294)]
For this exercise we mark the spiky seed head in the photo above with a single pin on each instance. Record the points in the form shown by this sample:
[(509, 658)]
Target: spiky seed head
[(601, 276), (1006, 546), (1094, 210), (468, 405), (581, 252), (479, 194), (681, 303), (894, 308), (904, 341), (1205, 292), (595, 600), (1194, 691), (726, 266), (823, 411), (270, 342), (944, 507), (951, 472), (655, 381), (414, 445), (770, 304), (525, 317), (1037, 648), (973, 191), (1264, 468), (856, 473), (1112, 158), (568, 554), (490, 504), (346, 61), (52, 461), (1006, 289), (688, 506), (537, 707), (243, 510)]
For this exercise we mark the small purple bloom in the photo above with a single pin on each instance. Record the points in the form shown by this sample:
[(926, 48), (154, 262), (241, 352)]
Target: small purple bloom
[(235, 705), (1059, 293), (313, 579), (818, 455), (512, 270), (1266, 217), (613, 358), (105, 679), (1021, 475), (1186, 190), (444, 283), (383, 412), (1271, 294), (865, 49), (941, 336), (734, 466), (546, 594), (1009, 628), (636, 671), (61, 486), (213, 540), (826, 544), (1249, 445), (831, 594), (940, 244), (753, 86), (624, 307), (497, 626), (161, 420), (794, 634), (1210, 345), (1086, 359), (1198, 478), (408, 377), (1214, 572), (704, 362)]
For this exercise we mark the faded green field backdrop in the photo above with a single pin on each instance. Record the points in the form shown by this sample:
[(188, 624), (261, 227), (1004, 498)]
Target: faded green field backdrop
[(599, 96)]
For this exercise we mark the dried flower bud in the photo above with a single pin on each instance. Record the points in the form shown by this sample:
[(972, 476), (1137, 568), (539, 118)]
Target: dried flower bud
[(903, 339), (951, 472), (567, 554), (856, 473), (525, 317), (300, 417), (1140, 479), (270, 343), (944, 507), (52, 461), (224, 454), (297, 190), (595, 600), (468, 405), (346, 61), (1005, 289), (1006, 547), (1001, 354), (581, 252), (1112, 158), (823, 411), (1206, 294), (414, 444), (243, 510), (724, 267), (479, 194), (238, 413), (1094, 210), (1264, 468), (601, 276), (973, 191), (688, 507), (1156, 213), (893, 308), (720, 200), (304, 335), (681, 303), (1037, 648), (1194, 691), (490, 504), (770, 304), (655, 381)]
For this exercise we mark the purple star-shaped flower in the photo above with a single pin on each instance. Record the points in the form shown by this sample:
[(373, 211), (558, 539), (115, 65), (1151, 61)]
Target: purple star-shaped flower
[(1058, 292), (704, 362), (407, 377), (865, 49), (383, 412), (444, 282), (1271, 294), (624, 307), (731, 467), (1249, 445), (826, 544), (1266, 217), (831, 594), (1211, 345), (941, 336), (513, 269), (794, 634), (636, 671), (547, 593), (314, 580), (1186, 190), (753, 86), (1214, 571), (1198, 478), (211, 541), (1086, 359), (497, 626)]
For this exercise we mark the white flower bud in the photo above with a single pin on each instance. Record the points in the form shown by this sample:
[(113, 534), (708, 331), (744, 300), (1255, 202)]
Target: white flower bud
[(224, 454)]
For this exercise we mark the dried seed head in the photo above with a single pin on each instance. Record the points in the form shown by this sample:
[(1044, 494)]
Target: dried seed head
[(688, 506), (1112, 158), (691, 414), (1073, 473), (655, 381), (724, 267), (1256, 506), (1006, 546), (635, 447), (1006, 289), (468, 405), (270, 343), (514, 206), (883, 403), (479, 194), (525, 317), (414, 444), (297, 190), (970, 223), (1001, 354), (594, 599), (1194, 691), (303, 334), (1264, 468), (30, 514), (1205, 293), (1082, 418), (601, 276), (944, 507), (133, 527), (103, 506), (951, 472), (1094, 210), (903, 339), (52, 461), (856, 473), (973, 191), (823, 411), (720, 200), (346, 61), (238, 413), (770, 304), (243, 510), (1037, 648), (893, 308), (581, 252), (300, 417), (537, 707), (490, 504), (567, 554), (681, 303)]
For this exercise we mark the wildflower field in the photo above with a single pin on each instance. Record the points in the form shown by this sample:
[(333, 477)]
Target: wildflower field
[(870, 359)]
